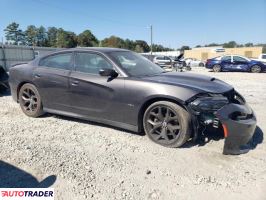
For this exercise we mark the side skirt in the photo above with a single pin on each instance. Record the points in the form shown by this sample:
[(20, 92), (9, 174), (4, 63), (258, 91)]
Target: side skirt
[(93, 119)]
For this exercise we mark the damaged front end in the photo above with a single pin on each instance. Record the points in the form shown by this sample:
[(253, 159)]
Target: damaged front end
[(228, 111)]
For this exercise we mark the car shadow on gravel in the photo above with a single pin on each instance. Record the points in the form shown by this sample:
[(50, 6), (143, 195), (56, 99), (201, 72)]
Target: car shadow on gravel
[(13, 177), (217, 134)]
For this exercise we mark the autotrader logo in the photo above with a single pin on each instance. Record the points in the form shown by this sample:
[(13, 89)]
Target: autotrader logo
[(27, 193)]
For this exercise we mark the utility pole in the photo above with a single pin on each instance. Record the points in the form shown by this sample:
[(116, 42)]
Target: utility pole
[(151, 38)]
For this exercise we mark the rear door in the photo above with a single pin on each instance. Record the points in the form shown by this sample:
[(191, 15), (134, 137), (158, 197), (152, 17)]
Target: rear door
[(239, 64), (93, 95), (52, 80)]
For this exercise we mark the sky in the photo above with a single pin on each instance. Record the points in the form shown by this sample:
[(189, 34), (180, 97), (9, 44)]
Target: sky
[(175, 22)]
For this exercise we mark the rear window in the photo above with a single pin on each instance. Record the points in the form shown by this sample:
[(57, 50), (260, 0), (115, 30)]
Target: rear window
[(59, 61)]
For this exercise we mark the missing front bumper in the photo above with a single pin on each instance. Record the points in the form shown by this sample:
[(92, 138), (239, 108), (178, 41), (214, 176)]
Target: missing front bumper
[(237, 132)]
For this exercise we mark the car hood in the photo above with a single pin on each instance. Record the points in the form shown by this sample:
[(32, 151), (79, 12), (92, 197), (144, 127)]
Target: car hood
[(196, 82)]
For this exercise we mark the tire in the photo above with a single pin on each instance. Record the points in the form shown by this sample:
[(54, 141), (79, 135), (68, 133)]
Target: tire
[(201, 64), (30, 100), (217, 68), (255, 69), (167, 124)]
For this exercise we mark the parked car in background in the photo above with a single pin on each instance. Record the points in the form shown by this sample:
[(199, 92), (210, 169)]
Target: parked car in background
[(262, 58), (235, 63), (3, 79), (193, 62), (163, 61)]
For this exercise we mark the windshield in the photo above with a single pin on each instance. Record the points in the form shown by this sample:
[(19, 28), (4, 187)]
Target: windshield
[(135, 64)]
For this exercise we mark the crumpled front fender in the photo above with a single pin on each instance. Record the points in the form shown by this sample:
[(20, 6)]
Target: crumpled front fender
[(237, 131)]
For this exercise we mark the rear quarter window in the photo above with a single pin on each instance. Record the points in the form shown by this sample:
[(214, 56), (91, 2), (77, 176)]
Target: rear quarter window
[(58, 61)]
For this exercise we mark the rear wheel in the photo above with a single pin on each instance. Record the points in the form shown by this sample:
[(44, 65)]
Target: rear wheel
[(30, 100), (217, 68), (167, 124), (255, 69)]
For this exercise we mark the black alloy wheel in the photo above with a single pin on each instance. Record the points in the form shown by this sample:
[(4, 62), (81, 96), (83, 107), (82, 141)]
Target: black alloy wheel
[(167, 124), (255, 69), (217, 68), (30, 100)]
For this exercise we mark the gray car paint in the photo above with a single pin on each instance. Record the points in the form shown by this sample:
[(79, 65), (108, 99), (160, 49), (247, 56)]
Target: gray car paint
[(119, 102)]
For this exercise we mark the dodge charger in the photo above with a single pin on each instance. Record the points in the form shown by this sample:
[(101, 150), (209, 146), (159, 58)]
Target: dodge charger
[(123, 89)]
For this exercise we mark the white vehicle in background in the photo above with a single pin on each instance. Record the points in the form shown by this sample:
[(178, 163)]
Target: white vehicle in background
[(162, 61), (262, 58), (193, 62)]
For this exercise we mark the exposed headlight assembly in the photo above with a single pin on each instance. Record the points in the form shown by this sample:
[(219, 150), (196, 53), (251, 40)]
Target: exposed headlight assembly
[(209, 104)]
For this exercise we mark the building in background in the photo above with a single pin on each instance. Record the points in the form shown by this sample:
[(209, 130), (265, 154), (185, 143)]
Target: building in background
[(204, 53)]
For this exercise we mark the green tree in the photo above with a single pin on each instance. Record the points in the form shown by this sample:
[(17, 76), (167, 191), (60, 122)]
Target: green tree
[(42, 38), (66, 39), (113, 41), (52, 36), (31, 35), (142, 46), (13, 34), (212, 45), (231, 44), (183, 48), (264, 48), (129, 44), (87, 39), (249, 44), (157, 48)]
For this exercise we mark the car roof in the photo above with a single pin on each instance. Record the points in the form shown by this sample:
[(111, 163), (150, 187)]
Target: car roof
[(99, 49)]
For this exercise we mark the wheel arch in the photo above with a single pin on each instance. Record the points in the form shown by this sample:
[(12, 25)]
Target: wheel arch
[(258, 64), (20, 85), (152, 100)]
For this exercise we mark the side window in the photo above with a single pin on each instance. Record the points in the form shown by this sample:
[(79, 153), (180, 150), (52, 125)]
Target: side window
[(59, 61), (263, 56), (226, 58), (240, 59), (90, 63)]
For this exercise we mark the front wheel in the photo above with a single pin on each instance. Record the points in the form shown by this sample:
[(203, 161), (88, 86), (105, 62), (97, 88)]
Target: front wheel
[(255, 69), (30, 100), (167, 124)]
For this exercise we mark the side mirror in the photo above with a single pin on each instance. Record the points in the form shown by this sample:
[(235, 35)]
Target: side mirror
[(108, 72)]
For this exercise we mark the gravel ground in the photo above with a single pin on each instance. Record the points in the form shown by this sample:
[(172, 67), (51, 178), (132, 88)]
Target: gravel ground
[(93, 161)]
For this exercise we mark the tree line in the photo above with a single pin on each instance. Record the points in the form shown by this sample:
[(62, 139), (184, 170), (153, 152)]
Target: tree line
[(60, 38)]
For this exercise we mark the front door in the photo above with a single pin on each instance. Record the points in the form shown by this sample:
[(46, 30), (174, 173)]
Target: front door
[(93, 95)]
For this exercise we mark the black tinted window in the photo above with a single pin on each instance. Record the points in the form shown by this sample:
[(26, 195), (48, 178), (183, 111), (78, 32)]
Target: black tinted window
[(264, 56), (226, 58), (240, 59), (90, 63), (59, 61)]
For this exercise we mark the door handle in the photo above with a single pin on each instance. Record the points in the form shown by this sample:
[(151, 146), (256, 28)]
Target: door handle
[(74, 83), (37, 75)]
